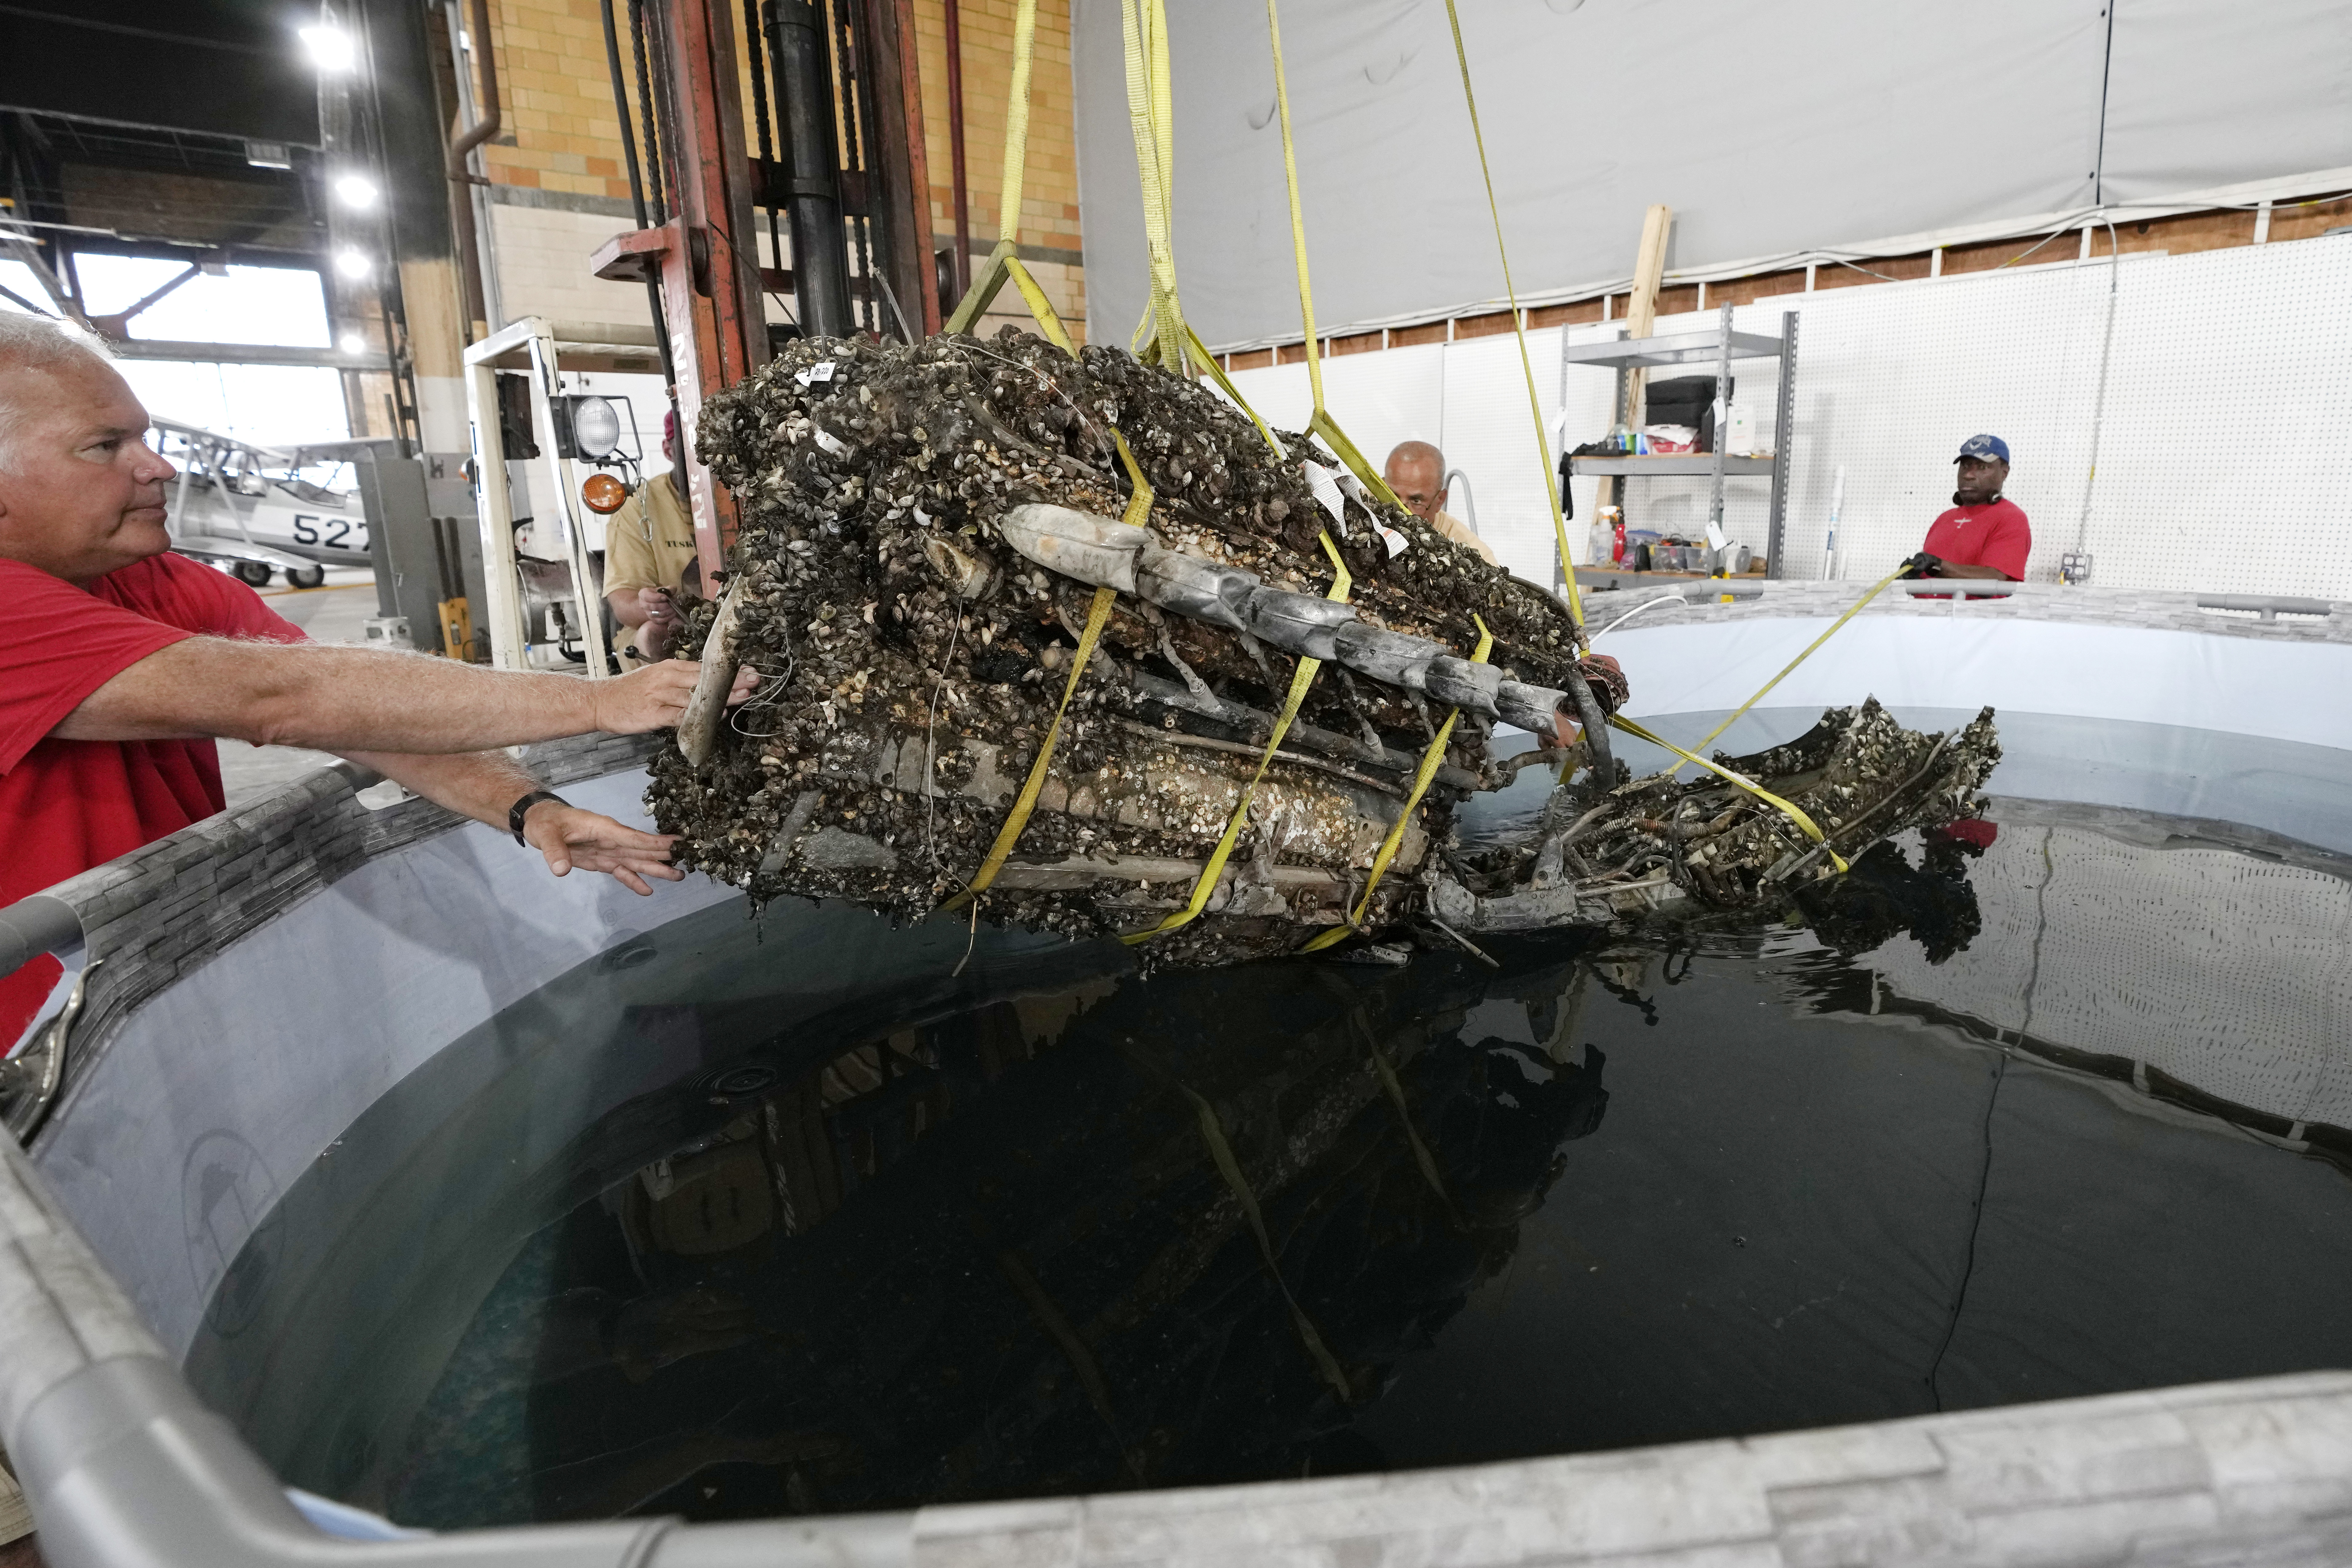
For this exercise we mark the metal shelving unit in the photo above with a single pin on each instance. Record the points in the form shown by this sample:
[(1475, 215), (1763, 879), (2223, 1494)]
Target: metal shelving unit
[(1721, 346)]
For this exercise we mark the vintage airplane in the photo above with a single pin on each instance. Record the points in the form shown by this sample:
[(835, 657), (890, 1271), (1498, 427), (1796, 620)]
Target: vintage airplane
[(250, 507)]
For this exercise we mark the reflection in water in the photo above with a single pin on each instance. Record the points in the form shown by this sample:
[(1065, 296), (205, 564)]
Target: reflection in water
[(1941, 1137), (1018, 1250)]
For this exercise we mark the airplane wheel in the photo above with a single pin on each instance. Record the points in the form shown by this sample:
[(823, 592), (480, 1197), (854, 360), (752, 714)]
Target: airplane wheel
[(252, 574), (305, 576)]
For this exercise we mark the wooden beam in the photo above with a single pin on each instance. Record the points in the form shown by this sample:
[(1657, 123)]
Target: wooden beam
[(1641, 316), (1642, 312)]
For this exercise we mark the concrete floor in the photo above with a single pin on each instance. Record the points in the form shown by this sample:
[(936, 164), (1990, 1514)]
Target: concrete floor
[(336, 612)]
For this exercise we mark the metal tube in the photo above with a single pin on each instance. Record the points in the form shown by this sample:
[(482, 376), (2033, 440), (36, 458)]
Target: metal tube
[(955, 155), (1469, 499), (472, 206), (33, 925), (1785, 417), (801, 65)]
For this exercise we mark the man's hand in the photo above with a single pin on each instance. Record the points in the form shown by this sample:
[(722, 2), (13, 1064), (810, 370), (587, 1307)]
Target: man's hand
[(569, 837), (1924, 565), (660, 622), (653, 697)]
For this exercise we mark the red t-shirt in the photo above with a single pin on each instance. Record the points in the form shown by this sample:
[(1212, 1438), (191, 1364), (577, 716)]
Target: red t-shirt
[(66, 806), (1997, 535)]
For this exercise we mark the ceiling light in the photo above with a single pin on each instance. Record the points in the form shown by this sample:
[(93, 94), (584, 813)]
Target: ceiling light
[(356, 190), (353, 343), (351, 264), (331, 49)]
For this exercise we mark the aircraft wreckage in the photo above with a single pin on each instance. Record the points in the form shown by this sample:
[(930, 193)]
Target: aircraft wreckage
[(928, 534)]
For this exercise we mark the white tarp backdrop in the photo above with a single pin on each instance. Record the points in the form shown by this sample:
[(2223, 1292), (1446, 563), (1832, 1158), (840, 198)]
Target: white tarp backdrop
[(1768, 129)]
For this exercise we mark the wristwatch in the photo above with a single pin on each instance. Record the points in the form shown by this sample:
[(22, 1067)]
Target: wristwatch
[(519, 809)]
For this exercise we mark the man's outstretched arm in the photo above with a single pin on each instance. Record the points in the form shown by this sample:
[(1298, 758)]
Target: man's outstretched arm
[(347, 700), (485, 785)]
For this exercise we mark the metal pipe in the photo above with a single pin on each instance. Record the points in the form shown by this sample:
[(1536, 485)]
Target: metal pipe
[(955, 155), (470, 212), (1469, 500), (33, 925), (487, 126), (802, 65)]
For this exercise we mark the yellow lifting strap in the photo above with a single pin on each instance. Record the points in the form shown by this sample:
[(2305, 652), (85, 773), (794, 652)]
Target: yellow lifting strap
[(1429, 759), (1010, 833), (1519, 327), (1001, 262), (1618, 721), (1161, 338), (1208, 362), (1322, 424), (1139, 507), (1300, 681), (1801, 658)]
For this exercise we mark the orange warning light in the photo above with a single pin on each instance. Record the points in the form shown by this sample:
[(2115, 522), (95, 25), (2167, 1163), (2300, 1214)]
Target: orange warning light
[(604, 494)]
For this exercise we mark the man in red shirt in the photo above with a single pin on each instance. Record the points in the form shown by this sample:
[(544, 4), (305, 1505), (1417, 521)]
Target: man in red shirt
[(1982, 535), (120, 662)]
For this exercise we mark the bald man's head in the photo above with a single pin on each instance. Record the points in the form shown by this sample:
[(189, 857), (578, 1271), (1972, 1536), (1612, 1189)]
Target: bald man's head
[(1416, 471)]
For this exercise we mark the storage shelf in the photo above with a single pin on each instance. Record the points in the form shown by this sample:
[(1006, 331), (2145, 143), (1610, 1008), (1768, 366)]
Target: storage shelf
[(1717, 346), (1697, 464), (1676, 348)]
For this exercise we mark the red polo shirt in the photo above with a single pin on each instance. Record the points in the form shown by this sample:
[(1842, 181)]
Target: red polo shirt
[(1997, 535), (66, 806)]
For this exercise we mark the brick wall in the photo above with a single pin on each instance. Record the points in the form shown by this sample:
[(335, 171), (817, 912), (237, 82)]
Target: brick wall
[(560, 152)]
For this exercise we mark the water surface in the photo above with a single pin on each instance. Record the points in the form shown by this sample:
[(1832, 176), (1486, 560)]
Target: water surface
[(748, 1219)]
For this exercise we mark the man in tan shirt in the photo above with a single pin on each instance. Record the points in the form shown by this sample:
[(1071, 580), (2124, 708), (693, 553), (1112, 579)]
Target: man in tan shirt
[(649, 556), (1416, 471)]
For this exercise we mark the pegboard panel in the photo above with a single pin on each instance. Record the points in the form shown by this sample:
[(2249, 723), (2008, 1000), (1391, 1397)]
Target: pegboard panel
[(2225, 972), (2217, 445)]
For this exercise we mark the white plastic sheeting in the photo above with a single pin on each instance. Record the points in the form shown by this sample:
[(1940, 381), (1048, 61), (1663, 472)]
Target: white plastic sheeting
[(1769, 128)]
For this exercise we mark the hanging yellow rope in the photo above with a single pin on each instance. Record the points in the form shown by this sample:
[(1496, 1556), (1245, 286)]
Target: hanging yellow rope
[(1519, 328), (1429, 759), (1161, 338), (1208, 362), (1801, 658), (1300, 681), (1001, 262), (1322, 424), (1618, 721)]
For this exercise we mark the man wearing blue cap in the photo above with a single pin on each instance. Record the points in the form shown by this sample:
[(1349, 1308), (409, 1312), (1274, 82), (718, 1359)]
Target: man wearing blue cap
[(1982, 535)]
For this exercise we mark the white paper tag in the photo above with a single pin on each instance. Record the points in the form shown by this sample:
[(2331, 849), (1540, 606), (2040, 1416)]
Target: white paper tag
[(1397, 543), (820, 371), (1715, 537), (1327, 490)]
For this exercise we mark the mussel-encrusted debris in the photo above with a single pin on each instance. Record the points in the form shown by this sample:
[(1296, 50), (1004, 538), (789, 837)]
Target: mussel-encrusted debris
[(923, 534)]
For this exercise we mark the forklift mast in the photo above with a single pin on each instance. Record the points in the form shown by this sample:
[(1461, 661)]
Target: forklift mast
[(857, 198)]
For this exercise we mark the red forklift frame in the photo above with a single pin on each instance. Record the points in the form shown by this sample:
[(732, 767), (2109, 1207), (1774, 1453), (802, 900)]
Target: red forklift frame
[(705, 258)]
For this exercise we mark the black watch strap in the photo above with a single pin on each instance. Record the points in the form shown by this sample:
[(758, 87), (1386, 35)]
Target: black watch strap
[(516, 812)]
